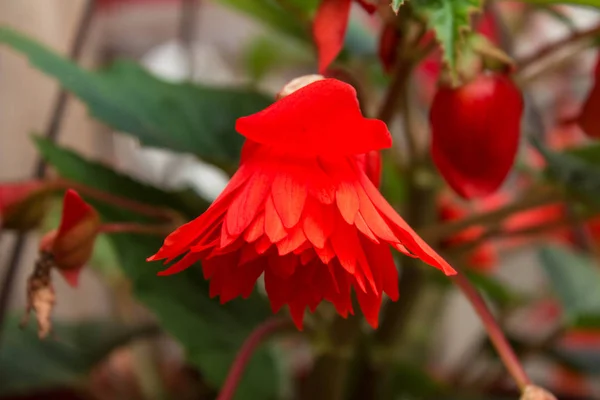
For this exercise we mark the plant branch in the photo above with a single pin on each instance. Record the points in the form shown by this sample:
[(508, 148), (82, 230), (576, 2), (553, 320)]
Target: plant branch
[(535, 198), (506, 352), (256, 338), (51, 132), (558, 46)]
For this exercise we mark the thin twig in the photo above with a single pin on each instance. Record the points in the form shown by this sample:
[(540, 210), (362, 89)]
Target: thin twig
[(506, 352), (52, 131)]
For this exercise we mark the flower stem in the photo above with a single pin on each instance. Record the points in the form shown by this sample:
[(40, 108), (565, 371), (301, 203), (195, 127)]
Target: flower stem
[(507, 354), (132, 227), (256, 338)]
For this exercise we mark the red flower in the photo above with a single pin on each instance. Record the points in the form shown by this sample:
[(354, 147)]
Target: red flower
[(475, 133), (388, 47), (302, 211), (329, 28), (484, 257), (588, 119), (72, 244)]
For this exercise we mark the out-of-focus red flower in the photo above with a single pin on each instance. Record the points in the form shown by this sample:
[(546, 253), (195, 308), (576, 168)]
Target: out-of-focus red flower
[(484, 257), (329, 28), (71, 245), (301, 210), (588, 119), (475, 133), (388, 47), (18, 208), (538, 217)]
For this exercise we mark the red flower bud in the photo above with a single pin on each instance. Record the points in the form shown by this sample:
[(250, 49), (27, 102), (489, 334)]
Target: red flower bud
[(475, 133), (72, 244), (588, 119), (329, 28)]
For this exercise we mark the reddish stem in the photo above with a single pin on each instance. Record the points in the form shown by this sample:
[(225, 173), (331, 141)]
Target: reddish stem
[(506, 352), (121, 202), (127, 227), (256, 338)]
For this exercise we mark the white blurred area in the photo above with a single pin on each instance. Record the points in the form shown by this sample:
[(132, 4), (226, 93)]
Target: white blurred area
[(149, 34)]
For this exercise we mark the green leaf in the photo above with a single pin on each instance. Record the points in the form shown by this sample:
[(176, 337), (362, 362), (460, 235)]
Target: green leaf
[(28, 363), (496, 290), (449, 19), (590, 3), (93, 174), (576, 281), (412, 382), (577, 169), (210, 333), (181, 117), (396, 5), (273, 15)]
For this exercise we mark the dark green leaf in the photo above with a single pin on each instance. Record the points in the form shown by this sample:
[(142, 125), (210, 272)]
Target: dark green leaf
[(497, 291), (411, 382), (273, 15), (74, 167), (28, 363), (211, 333), (449, 19), (578, 170), (181, 117), (576, 281)]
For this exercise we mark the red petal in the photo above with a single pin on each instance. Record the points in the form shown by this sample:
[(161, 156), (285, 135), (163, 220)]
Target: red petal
[(248, 202), (318, 222), (71, 276), (273, 226), (256, 228), (326, 254), (408, 237), (292, 241), (380, 257), (289, 194), (322, 118), (362, 226), (283, 266), (74, 211), (187, 261), (344, 245), (321, 186), (370, 305), (262, 244), (372, 217), (329, 30), (347, 201)]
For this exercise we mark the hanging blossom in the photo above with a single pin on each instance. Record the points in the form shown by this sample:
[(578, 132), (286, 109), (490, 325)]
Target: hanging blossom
[(329, 27), (302, 211)]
